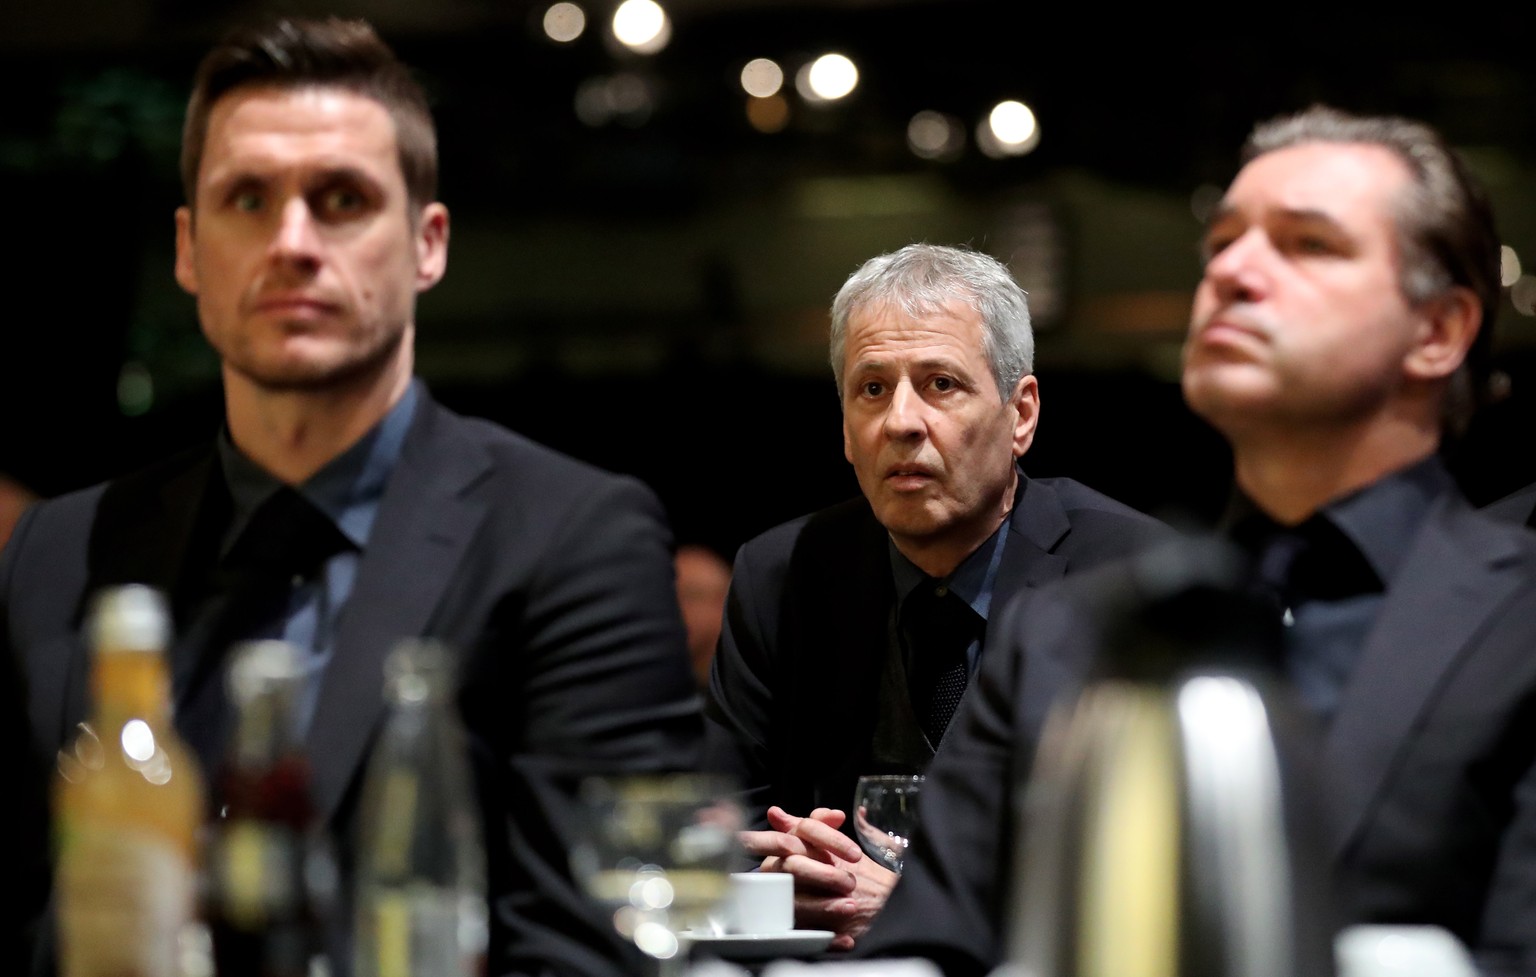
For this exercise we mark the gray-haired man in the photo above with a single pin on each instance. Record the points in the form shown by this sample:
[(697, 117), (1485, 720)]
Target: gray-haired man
[(850, 634)]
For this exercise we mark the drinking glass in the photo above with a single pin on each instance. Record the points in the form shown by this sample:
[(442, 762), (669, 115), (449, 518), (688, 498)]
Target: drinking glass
[(885, 815), (657, 852)]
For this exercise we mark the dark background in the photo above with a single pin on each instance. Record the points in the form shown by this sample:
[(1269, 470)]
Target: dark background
[(650, 293)]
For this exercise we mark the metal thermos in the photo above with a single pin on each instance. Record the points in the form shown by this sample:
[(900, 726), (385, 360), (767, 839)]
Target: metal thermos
[(1170, 826)]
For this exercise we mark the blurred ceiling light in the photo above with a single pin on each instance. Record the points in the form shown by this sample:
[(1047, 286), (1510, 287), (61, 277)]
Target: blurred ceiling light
[(1523, 294), (564, 22), (828, 78), (1509, 266), (936, 136), (622, 98), (762, 77), (1014, 127), (642, 26), (768, 115), (1204, 200)]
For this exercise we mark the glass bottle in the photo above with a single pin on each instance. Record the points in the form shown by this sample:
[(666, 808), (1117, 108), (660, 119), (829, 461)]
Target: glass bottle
[(129, 804), (420, 897), (262, 851), (1169, 823)]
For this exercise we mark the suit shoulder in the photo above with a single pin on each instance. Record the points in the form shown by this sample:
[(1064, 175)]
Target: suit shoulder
[(1082, 502), (827, 530), (74, 512), (1518, 507), (518, 457)]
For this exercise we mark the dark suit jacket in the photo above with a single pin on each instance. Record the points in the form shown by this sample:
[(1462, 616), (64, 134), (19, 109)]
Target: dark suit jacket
[(1517, 507), (794, 688), (1429, 765), (553, 580)]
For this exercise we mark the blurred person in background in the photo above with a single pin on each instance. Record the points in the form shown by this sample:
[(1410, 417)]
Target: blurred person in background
[(703, 580), (14, 499), (1350, 270)]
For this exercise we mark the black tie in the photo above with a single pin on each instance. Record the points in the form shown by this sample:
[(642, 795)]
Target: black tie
[(939, 626), (286, 542), (1317, 578)]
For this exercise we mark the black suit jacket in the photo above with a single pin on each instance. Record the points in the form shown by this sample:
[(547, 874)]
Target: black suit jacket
[(1517, 507), (1429, 765), (552, 579), (794, 687)]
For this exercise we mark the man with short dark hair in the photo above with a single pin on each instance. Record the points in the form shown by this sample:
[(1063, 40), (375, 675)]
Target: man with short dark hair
[(850, 634), (310, 226), (1349, 269)]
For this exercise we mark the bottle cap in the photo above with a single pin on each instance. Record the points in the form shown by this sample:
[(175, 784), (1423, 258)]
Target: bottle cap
[(131, 617), (260, 666), (418, 669)]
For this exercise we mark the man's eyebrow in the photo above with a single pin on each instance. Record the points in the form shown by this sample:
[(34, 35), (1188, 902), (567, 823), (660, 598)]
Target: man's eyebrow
[(1225, 211)]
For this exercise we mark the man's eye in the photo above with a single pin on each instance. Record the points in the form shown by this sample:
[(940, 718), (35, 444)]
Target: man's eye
[(340, 201), (944, 384), (247, 201), (871, 388), (1313, 245)]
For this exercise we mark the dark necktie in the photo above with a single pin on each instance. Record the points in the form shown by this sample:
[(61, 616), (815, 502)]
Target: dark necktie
[(286, 542), (939, 627), (1324, 589)]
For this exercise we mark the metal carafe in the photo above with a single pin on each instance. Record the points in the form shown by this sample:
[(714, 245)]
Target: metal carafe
[(1170, 826)]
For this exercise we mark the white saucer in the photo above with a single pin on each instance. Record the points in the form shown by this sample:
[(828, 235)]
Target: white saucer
[(761, 946)]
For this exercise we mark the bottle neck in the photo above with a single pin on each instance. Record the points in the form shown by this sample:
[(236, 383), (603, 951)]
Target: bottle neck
[(130, 685), (267, 728)]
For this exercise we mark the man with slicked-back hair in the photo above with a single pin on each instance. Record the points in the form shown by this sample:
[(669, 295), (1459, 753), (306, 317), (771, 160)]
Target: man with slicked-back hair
[(364, 511)]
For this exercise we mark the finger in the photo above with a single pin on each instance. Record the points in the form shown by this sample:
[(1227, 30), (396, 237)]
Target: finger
[(765, 843), (829, 816), (825, 914), (818, 878), (817, 834), (781, 820)]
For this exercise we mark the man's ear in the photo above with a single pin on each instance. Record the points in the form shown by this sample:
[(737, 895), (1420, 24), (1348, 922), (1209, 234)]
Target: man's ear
[(431, 246), (1026, 400), (1447, 327), (186, 268)]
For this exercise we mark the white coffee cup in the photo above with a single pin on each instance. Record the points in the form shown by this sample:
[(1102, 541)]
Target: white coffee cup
[(760, 903)]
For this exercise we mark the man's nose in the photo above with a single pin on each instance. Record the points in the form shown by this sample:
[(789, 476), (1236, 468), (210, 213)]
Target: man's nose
[(904, 415), (1238, 270), (296, 237)]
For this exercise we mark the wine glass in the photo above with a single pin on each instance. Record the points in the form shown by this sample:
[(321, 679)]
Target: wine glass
[(657, 852), (885, 815)]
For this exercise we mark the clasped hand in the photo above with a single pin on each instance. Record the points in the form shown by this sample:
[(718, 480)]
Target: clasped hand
[(837, 887)]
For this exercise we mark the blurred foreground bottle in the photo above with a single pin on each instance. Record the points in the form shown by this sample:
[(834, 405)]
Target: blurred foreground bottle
[(1170, 823), (267, 867), (129, 803), (420, 898)]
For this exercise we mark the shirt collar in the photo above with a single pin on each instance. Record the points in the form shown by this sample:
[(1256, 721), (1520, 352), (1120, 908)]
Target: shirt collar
[(972, 580), (347, 488), (1380, 520)]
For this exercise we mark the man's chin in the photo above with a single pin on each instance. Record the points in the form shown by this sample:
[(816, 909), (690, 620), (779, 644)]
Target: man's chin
[(309, 375)]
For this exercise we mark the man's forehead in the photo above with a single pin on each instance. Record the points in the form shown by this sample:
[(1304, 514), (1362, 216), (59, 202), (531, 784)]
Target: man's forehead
[(1318, 178), (311, 111)]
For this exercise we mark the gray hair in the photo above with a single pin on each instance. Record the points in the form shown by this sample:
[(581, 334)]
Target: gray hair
[(1445, 230), (920, 280)]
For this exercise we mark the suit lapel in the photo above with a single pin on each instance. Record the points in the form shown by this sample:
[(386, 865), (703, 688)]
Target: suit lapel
[(426, 521), (1459, 570), (1035, 527), (160, 527), (842, 622)]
